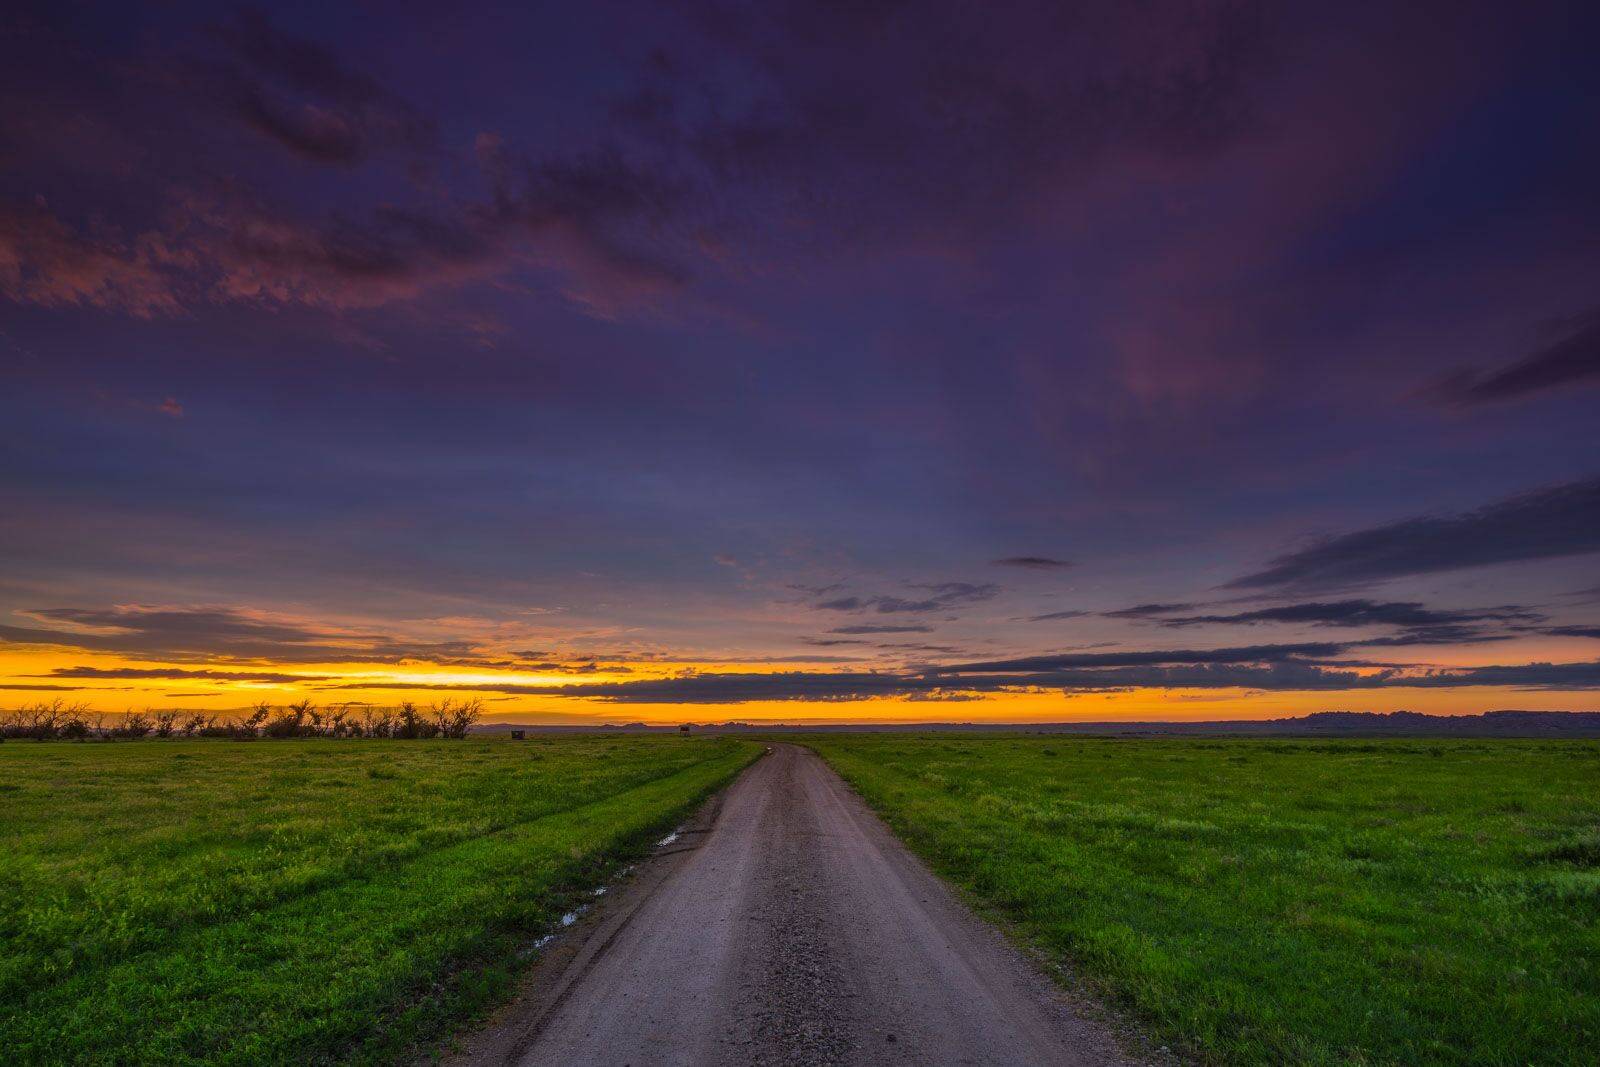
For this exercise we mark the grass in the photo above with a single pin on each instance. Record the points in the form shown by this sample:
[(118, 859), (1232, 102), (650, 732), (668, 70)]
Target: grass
[(303, 902), (1267, 902)]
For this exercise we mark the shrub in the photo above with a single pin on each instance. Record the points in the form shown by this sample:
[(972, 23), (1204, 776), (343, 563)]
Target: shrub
[(450, 718), (378, 722), (455, 719), (334, 720), (250, 726), (74, 725), (412, 723), (47, 721), (299, 719), (135, 724)]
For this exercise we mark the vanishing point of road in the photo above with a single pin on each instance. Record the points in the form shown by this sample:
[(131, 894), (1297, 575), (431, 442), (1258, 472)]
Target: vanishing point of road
[(787, 925)]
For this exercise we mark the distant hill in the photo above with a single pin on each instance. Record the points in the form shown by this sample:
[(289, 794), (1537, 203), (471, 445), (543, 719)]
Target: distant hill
[(1555, 724), (1414, 724)]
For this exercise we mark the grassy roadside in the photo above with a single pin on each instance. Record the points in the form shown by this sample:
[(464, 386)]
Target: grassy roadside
[(303, 902), (1264, 902)]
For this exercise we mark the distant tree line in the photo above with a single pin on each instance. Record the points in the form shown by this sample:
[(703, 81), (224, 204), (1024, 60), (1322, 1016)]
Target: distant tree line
[(57, 720)]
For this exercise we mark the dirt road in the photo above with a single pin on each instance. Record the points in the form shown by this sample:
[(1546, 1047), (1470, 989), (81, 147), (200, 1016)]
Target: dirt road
[(789, 927)]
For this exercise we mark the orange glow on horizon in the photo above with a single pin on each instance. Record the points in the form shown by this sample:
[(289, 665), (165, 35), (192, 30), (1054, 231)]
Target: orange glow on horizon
[(29, 675)]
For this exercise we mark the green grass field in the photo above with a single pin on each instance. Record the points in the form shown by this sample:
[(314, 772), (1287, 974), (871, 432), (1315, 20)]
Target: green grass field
[(302, 902), (1262, 902)]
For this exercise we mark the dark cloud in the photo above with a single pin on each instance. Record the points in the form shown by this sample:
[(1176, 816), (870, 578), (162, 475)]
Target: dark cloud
[(1041, 563), (816, 590), (790, 658), (729, 688), (1263, 676), (234, 247), (945, 595), (1145, 611), (609, 224), (298, 93), (826, 642), (1544, 524), (1168, 670), (1573, 631), (1228, 668), (1053, 615), (223, 623), (1572, 361), (871, 629), (188, 634), (1555, 676), (1442, 635), (554, 667), (178, 673), (43, 261), (589, 218), (1417, 624), (1244, 654), (968, 113), (1407, 614), (604, 219), (585, 218), (246, 250), (191, 634)]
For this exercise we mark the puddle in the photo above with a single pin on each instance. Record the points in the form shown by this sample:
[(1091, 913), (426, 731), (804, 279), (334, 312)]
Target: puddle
[(535, 948), (566, 920), (540, 944)]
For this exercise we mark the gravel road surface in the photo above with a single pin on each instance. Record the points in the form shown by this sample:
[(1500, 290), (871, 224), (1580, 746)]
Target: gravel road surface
[(788, 926)]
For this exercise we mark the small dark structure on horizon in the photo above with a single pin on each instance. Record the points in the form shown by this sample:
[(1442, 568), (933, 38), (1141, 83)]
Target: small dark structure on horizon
[(684, 730), (519, 735)]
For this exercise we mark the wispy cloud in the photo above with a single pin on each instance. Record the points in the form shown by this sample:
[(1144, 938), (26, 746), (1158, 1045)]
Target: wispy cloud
[(1037, 563), (1417, 624), (1572, 631), (1266, 668), (298, 94), (1574, 360), (181, 674), (942, 596), (1544, 524), (190, 633), (1277, 653)]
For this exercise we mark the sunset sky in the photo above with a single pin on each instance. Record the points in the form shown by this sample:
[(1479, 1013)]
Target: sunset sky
[(700, 361)]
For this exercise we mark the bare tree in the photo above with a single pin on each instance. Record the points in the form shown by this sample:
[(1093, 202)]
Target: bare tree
[(74, 722), (409, 721), (335, 719), (456, 720), (135, 724), (378, 721), (249, 727)]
